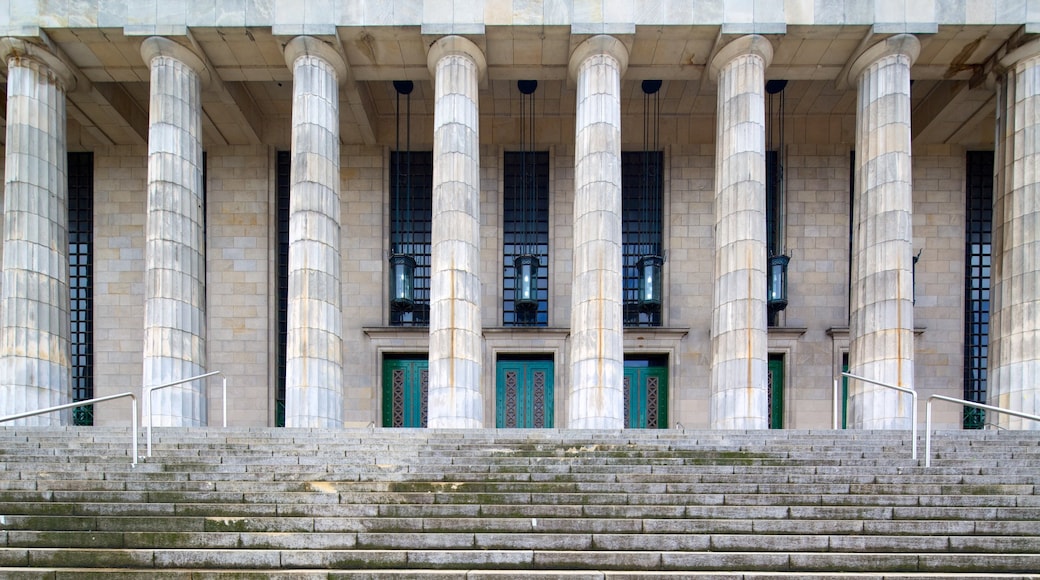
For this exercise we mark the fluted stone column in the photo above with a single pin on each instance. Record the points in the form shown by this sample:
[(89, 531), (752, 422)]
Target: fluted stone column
[(739, 339), (881, 325), (314, 358), (596, 396), (1014, 343), (35, 370), (175, 285), (456, 342)]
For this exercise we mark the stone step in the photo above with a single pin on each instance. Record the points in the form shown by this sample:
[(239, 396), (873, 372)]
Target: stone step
[(519, 559), (390, 574)]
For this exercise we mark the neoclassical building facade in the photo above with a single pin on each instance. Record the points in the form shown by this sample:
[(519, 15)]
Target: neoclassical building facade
[(516, 213)]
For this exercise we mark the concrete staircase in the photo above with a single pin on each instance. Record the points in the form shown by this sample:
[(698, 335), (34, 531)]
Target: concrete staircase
[(243, 503)]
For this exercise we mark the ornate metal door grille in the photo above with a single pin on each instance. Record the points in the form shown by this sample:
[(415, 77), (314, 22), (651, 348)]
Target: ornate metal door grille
[(524, 395)]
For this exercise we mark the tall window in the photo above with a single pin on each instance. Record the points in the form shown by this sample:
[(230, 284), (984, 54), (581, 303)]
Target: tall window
[(81, 282), (411, 210), (978, 226), (526, 232), (282, 168), (640, 227)]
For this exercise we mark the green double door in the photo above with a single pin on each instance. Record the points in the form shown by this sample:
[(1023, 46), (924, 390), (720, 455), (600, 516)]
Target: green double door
[(524, 393), (776, 391), (646, 394), (406, 383)]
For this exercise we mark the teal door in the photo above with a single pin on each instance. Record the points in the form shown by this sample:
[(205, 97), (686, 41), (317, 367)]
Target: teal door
[(524, 393), (406, 382), (646, 394), (844, 391), (776, 391)]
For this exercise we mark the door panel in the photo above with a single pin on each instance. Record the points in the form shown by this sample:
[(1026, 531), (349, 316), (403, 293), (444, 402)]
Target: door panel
[(405, 388), (524, 394), (646, 397), (776, 391)]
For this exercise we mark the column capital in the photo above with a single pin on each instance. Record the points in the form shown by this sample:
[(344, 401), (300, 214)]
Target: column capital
[(753, 44), (21, 49), (311, 46), (901, 44), (599, 44), (455, 44), (154, 46), (1028, 50)]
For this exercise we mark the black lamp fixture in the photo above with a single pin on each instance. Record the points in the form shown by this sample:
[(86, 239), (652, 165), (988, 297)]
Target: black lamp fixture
[(651, 265), (402, 264), (776, 280), (526, 263)]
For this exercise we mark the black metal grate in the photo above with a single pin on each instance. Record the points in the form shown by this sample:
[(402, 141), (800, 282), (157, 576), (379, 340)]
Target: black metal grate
[(978, 234), (81, 282), (282, 168), (640, 227), (410, 219), (533, 239)]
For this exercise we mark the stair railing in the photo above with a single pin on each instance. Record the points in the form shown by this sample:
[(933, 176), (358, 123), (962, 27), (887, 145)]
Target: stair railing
[(913, 405), (150, 390), (133, 416), (963, 403)]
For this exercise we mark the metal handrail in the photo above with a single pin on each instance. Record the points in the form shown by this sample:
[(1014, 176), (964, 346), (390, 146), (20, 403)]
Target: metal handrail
[(133, 416), (150, 390), (913, 405), (962, 402)]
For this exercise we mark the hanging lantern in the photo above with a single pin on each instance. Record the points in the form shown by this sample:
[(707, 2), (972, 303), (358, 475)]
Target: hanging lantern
[(650, 278), (402, 265), (525, 283), (777, 287), (526, 264), (650, 267), (402, 282)]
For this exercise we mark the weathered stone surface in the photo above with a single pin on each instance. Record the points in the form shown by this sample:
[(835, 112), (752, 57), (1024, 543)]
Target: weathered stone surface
[(314, 350), (1014, 355), (35, 368), (739, 366), (175, 286), (456, 344), (596, 398), (881, 327)]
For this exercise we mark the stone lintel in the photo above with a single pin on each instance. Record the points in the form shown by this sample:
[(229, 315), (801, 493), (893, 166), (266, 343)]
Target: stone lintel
[(155, 46), (746, 28), (311, 46), (905, 27), (317, 29), (452, 29), (906, 44), (616, 29), (749, 44)]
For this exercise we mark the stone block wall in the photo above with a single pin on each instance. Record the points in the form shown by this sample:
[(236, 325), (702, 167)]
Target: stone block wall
[(120, 179)]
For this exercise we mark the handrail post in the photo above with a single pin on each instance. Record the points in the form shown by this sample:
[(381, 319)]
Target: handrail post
[(834, 406), (149, 430), (928, 433), (133, 429), (223, 388), (913, 423)]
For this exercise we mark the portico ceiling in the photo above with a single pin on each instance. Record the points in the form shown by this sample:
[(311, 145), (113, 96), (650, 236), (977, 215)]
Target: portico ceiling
[(249, 101)]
